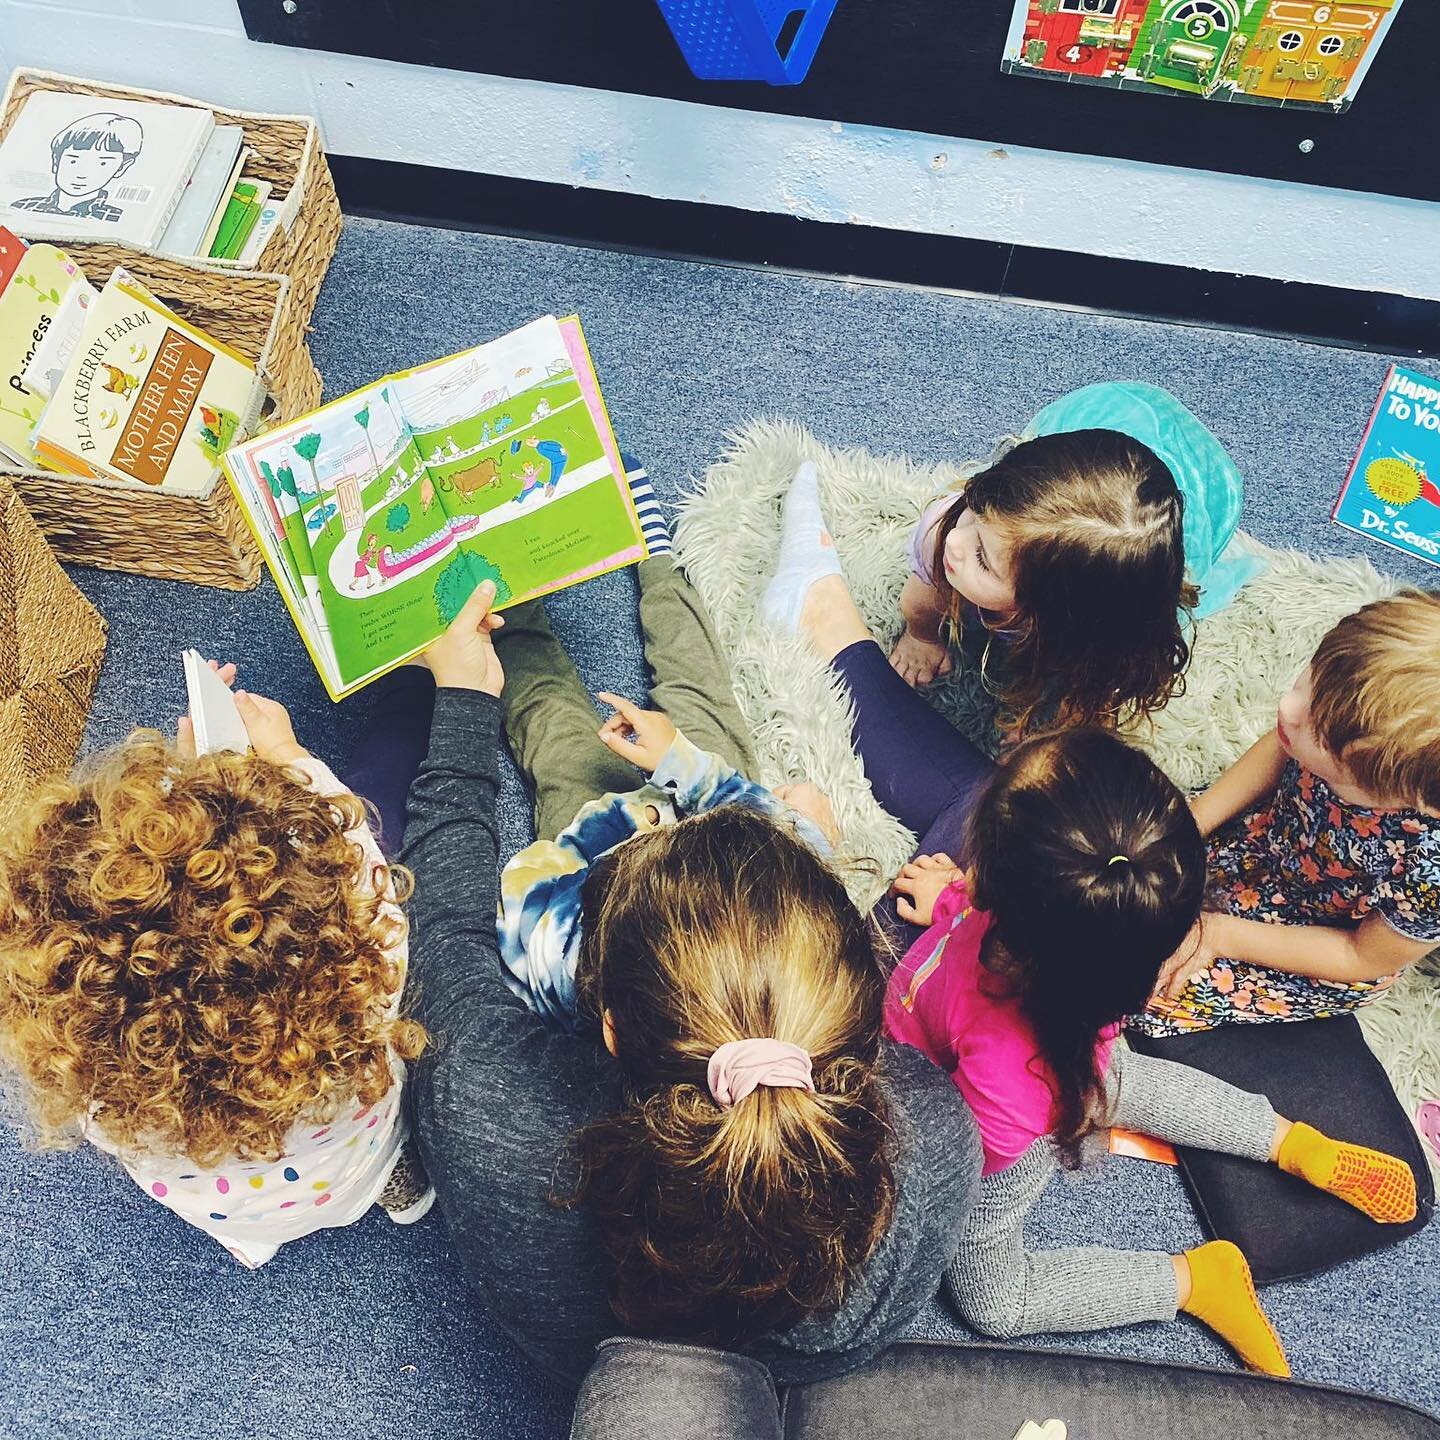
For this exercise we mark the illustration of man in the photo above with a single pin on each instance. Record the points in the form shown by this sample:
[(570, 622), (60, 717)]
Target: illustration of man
[(86, 158), (551, 451)]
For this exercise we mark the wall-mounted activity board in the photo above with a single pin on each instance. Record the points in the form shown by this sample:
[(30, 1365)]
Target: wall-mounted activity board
[(940, 67)]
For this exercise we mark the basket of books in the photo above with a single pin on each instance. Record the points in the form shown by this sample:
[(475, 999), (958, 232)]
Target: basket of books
[(129, 169), (119, 400)]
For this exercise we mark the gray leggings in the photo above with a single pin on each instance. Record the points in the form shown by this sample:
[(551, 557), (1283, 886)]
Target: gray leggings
[(1002, 1290)]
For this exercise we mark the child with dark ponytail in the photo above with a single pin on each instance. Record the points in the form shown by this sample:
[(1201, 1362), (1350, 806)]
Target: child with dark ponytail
[(1086, 871)]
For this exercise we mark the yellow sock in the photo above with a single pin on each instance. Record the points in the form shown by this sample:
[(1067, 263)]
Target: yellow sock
[(1376, 1184), (1222, 1296)]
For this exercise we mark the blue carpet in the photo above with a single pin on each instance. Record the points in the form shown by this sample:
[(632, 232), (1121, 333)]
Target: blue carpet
[(118, 1320)]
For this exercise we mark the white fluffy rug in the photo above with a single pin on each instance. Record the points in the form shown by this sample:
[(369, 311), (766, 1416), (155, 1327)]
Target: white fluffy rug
[(1244, 659)]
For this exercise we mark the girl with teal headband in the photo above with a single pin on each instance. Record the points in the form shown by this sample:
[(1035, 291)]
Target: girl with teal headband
[(1086, 548)]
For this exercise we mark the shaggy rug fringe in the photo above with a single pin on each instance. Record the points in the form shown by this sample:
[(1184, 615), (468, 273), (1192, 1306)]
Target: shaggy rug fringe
[(1244, 659)]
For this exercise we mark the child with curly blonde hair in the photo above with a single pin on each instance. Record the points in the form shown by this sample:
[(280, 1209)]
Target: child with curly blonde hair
[(201, 962)]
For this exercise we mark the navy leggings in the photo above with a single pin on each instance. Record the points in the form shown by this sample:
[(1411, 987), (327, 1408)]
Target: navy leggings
[(390, 750), (922, 770)]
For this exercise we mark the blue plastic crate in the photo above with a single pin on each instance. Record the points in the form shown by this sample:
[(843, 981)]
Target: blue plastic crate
[(737, 39)]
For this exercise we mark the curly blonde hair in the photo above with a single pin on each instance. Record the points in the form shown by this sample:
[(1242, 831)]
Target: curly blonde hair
[(194, 956)]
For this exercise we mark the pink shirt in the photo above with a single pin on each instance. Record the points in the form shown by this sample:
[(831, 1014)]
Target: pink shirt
[(938, 1002)]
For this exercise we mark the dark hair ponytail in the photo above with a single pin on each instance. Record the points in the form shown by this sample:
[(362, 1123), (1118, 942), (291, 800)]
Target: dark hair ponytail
[(1090, 864)]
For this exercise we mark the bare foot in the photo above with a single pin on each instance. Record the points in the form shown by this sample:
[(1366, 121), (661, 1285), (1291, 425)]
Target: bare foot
[(919, 662)]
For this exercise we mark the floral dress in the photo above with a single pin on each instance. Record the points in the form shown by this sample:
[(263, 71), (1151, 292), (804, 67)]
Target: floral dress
[(1308, 858)]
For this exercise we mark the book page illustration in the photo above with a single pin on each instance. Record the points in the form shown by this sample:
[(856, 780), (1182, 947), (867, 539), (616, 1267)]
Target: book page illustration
[(507, 432), (367, 511), (381, 511)]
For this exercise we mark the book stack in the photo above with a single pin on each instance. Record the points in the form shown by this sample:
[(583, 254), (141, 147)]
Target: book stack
[(111, 384), (165, 177), (41, 294)]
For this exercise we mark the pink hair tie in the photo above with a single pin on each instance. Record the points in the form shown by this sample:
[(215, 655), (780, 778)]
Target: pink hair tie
[(739, 1066)]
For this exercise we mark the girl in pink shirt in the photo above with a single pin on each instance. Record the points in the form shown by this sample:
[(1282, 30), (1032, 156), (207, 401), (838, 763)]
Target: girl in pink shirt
[(1087, 870)]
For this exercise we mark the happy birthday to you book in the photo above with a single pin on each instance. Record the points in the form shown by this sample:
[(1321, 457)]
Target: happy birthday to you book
[(1391, 492), (379, 513)]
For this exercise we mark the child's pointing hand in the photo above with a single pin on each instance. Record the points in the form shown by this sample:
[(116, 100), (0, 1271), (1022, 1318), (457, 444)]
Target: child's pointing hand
[(640, 736)]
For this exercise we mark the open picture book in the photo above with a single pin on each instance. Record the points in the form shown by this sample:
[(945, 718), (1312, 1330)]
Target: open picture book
[(379, 513)]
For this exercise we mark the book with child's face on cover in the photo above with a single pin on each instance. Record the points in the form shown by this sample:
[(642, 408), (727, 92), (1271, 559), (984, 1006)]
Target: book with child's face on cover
[(79, 166), (379, 513)]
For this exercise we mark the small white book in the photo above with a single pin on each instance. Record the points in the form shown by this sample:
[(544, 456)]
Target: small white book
[(49, 360), (213, 712), (83, 166), (206, 192)]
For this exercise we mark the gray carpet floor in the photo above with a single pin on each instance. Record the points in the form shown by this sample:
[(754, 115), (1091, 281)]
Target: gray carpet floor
[(118, 1320)]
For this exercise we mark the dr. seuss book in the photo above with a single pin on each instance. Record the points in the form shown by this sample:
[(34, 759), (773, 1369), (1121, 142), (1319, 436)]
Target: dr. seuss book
[(29, 306), (380, 513), (79, 166), (1392, 493), (146, 398)]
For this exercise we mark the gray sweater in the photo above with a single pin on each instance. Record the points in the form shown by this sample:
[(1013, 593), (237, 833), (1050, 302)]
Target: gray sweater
[(498, 1095)]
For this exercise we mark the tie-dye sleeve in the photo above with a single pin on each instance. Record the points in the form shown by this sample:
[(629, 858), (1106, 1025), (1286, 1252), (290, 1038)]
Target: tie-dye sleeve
[(539, 909), (698, 781), (539, 913)]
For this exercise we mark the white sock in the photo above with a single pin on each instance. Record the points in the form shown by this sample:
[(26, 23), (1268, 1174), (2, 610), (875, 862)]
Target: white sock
[(807, 553)]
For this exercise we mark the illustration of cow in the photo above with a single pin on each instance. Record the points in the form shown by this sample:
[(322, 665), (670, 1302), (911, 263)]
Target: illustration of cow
[(480, 476)]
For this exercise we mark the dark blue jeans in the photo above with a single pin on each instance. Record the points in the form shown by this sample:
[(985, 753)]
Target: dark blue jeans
[(389, 752)]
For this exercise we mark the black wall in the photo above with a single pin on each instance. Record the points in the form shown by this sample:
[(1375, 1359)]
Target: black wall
[(928, 65)]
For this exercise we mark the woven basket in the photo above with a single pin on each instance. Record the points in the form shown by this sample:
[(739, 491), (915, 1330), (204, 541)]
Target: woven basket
[(199, 538), (51, 642), (288, 153)]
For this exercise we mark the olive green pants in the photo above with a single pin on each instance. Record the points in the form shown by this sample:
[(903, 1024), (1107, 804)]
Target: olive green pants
[(551, 719)]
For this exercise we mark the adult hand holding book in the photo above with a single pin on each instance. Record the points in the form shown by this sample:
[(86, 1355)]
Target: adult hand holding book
[(380, 512), (464, 657)]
